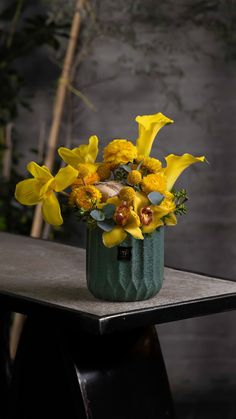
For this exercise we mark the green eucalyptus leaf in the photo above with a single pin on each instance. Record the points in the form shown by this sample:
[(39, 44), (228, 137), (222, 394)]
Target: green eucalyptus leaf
[(155, 198), (97, 215), (107, 225), (109, 210), (126, 167)]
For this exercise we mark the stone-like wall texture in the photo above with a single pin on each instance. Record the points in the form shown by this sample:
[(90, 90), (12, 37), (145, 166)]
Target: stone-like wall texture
[(149, 57)]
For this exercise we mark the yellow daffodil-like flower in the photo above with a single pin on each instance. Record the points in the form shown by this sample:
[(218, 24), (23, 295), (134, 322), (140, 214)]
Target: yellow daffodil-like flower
[(127, 221), (134, 177), (149, 126), (127, 194), (176, 165), (41, 189), (85, 197), (154, 183), (149, 165), (86, 153), (120, 151)]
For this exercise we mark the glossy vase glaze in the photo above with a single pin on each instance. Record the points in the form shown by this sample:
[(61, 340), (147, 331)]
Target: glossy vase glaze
[(132, 271)]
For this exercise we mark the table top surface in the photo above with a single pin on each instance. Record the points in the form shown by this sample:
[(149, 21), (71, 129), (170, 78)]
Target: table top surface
[(41, 275)]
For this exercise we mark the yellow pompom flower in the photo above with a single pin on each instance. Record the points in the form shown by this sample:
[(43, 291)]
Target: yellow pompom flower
[(134, 177), (104, 171), (127, 194), (120, 151), (154, 183), (150, 165), (85, 197)]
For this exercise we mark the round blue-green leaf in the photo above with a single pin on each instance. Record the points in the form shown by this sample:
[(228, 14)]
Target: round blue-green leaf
[(107, 225), (109, 210), (155, 198), (97, 215)]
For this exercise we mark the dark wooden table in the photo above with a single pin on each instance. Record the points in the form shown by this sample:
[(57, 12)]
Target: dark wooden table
[(84, 358)]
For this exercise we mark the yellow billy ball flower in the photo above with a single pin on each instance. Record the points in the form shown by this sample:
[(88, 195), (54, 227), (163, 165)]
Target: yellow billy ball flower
[(127, 194), (104, 171), (85, 197), (120, 151), (154, 183), (134, 177)]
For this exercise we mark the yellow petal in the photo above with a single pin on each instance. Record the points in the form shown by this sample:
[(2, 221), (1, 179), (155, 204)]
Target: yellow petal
[(39, 172), (171, 220), (69, 156), (114, 200), (132, 227), (64, 178), (86, 153), (114, 237), (47, 187), (140, 201), (51, 210), (155, 223), (28, 191), (149, 126), (92, 150), (176, 165)]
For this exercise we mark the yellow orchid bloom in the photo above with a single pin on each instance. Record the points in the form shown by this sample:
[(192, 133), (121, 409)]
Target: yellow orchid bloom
[(119, 232), (86, 153), (41, 189), (176, 165), (149, 126), (151, 215)]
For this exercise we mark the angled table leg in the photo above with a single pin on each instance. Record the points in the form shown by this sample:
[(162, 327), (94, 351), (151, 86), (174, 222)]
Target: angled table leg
[(84, 376), (4, 361)]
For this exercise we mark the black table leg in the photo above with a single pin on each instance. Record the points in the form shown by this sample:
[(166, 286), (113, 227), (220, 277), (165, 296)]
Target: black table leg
[(63, 373), (4, 362)]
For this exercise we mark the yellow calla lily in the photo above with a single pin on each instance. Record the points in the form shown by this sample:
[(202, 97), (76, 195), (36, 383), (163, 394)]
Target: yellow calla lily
[(119, 233), (176, 165), (82, 154), (41, 189), (149, 126)]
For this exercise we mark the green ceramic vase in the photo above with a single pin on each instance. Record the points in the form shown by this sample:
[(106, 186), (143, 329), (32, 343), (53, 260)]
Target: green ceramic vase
[(132, 271)]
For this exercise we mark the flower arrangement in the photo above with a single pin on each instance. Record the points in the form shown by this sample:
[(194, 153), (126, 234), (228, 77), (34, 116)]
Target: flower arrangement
[(128, 193)]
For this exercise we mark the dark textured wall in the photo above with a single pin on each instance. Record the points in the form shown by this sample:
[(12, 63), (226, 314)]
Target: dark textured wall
[(183, 72)]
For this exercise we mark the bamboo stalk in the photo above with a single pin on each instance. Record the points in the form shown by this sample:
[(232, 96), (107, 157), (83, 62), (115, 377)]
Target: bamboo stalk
[(64, 81), (59, 105)]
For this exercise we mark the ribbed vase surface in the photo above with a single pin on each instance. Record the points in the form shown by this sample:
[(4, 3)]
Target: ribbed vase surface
[(130, 272)]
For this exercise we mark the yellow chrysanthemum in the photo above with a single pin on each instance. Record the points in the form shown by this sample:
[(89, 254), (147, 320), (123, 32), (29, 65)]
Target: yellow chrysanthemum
[(104, 171), (134, 177), (149, 165), (120, 151), (85, 197), (154, 183), (127, 194)]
